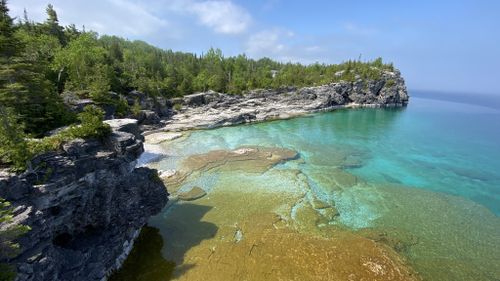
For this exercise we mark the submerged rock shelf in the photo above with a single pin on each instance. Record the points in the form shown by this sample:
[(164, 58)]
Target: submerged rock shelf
[(312, 214)]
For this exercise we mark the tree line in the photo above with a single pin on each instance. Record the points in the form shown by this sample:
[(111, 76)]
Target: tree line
[(41, 60)]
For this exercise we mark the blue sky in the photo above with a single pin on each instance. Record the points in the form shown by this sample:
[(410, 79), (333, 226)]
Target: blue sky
[(451, 46)]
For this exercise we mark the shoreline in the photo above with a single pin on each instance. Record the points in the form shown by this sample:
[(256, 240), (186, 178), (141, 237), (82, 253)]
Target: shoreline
[(283, 116)]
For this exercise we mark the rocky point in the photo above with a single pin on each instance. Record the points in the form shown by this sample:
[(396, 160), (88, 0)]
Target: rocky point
[(85, 205)]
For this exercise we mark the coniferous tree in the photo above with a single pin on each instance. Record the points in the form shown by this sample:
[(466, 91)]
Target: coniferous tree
[(52, 25), (22, 87)]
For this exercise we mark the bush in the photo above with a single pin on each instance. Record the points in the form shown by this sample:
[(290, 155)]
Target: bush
[(7, 272), (91, 125), (136, 108), (177, 106), (8, 248), (16, 151), (13, 146), (389, 83), (122, 107)]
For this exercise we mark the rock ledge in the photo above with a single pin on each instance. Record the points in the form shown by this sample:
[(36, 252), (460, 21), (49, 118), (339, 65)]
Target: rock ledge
[(85, 205)]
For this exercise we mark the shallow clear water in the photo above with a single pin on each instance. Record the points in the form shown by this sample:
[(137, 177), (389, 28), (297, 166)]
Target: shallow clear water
[(427, 175), (435, 145)]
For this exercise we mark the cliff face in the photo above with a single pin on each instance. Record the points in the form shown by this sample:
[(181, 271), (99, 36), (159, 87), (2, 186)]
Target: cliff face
[(211, 109), (85, 206)]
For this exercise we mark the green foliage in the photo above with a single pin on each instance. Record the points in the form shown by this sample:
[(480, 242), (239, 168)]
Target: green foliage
[(16, 151), (100, 83), (8, 44), (91, 125), (24, 84), (177, 106), (7, 272), (13, 146), (136, 108), (8, 247), (82, 60), (122, 107)]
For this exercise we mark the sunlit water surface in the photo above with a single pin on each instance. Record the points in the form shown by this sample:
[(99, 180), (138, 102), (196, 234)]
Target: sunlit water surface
[(427, 175)]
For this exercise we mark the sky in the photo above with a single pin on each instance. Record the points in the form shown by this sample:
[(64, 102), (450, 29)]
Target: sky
[(449, 46)]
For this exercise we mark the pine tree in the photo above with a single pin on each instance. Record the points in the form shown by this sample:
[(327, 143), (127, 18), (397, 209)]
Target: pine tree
[(8, 43), (52, 25), (13, 146), (22, 87)]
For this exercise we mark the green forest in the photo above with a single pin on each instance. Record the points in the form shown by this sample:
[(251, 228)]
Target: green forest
[(40, 61)]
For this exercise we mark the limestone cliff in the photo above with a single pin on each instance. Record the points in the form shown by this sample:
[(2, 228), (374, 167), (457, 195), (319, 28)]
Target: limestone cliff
[(211, 109), (85, 205)]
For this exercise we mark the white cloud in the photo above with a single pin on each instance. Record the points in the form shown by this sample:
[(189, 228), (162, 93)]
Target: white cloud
[(136, 19), (115, 17), (282, 45), (222, 16), (267, 43), (143, 19)]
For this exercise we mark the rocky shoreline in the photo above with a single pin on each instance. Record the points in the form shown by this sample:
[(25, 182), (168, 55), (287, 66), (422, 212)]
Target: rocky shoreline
[(211, 109), (85, 206)]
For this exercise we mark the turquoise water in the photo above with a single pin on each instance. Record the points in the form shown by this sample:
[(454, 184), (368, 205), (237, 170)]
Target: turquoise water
[(439, 146), (427, 175)]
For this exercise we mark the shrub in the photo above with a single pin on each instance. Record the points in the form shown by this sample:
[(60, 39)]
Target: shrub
[(13, 146), (136, 108), (122, 107), (390, 83), (91, 125), (8, 248), (16, 151), (177, 106)]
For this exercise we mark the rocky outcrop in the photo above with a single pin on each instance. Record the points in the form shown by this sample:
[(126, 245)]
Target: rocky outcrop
[(211, 109), (146, 102), (85, 205)]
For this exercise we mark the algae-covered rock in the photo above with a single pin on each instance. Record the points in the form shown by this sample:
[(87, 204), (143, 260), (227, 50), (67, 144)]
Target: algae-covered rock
[(157, 138), (193, 194), (319, 204), (343, 178), (249, 159)]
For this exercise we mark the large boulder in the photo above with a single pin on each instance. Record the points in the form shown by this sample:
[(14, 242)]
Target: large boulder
[(157, 104), (148, 117)]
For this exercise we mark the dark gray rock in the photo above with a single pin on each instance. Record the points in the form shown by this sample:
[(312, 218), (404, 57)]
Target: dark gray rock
[(156, 104), (85, 205), (148, 117), (127, 125)]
